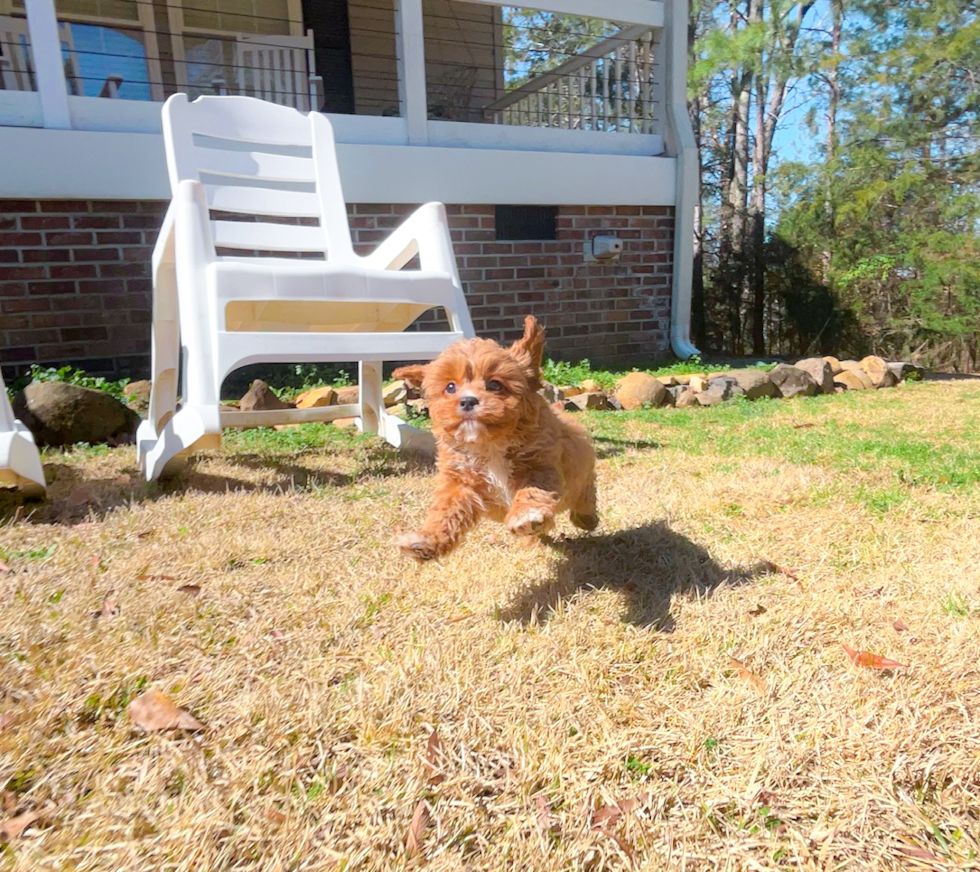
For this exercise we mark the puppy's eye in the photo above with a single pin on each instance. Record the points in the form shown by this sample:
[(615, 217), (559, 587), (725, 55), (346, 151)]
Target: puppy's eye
[(494, 385), (451, 388)]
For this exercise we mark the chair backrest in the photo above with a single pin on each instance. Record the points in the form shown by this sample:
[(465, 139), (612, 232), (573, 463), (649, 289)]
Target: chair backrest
[(17, 61), (256, 160), (276, 68)]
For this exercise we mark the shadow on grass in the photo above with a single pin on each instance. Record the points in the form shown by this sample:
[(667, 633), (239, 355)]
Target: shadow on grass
[(649, 564), (606, 446), (73, 497)]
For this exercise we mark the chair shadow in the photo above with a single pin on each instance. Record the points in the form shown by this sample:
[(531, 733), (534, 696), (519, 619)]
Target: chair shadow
[(606, 446), (73, 497), (649, 564)]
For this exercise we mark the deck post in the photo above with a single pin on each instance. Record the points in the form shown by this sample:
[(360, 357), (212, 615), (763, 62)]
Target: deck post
[(410, 49), (49, 67)]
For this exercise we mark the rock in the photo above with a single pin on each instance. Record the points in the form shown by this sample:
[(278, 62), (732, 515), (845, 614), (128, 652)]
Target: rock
[(720, 389), (686, 398), (395, 393), (754, 382), (791, 381), (877, 370), (571, 391), (903, 370), (550, 392), (345, 395), (668, 381), (820, 371), (698, 383), (835, 366), (419, 406), (590, 386), (399, 409), (593, 400), (685, 379), (639, 389), (63, 414), (344, 423), (674, 391), (261, 399), (316, 397), (858, 370), (850, 380), (137, 394)]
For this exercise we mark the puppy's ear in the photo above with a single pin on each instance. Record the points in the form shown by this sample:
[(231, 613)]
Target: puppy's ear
[(529, 349), (413, 376)]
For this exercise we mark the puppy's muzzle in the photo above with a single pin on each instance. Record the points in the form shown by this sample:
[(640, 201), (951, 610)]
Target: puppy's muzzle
[(468, 403)]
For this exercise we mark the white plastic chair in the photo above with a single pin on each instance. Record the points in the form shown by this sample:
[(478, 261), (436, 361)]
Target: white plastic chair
[(20, 462), (213, 313), (280, 69)]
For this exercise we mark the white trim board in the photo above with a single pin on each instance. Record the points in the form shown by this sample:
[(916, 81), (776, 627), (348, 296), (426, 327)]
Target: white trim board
[(76, 164)]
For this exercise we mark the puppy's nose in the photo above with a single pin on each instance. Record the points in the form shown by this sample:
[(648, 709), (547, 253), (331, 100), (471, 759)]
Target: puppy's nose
[(468, 404)]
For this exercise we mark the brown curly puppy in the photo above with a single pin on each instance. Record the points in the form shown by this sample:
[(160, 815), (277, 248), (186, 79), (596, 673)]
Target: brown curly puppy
[(503, 451)]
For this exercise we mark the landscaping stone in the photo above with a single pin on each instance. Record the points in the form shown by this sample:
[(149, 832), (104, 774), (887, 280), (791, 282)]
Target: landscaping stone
[(820, 371), (345, 395), (852, 381), (400, 410), (668, 381), (63, 414), (571, 390), (260, 398), (686, 398), (550, 392), (315, 398), (592, 400), (754, 382), (858, 370), (698, 383), (137, 395), (674, 391), (835, 366), (590, 386), (877, 370), (395, 393), (719, 389), (638, 389), (791, 381), (344, 423)]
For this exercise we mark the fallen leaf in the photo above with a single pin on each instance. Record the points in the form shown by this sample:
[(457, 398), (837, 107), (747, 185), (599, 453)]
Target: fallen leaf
[(545, 822), (95, 561), (916, 853), (274, 815), (110, 608), (125, 478), (784, 570), (6, 719), (277, 634), (8, 802), (459, 618), (4, 568), (804, 426), (81, 496), (11, 828), (900, 626), (152, 711), (190, 589), (872, 661), (145, 534), (433, 759), (623, 845), (416, 829), (750, 677), (145, 577), (609, 814), (758, 610)]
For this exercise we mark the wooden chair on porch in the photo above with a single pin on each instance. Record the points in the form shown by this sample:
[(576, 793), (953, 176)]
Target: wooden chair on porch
[(214, 312)]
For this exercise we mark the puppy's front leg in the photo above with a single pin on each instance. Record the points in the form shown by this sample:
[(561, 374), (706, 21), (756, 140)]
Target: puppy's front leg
[(532, 511), (455, 510)]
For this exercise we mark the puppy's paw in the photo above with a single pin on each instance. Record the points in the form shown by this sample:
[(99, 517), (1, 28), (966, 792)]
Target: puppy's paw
[(530, 521), (584, 522), (418, 546)]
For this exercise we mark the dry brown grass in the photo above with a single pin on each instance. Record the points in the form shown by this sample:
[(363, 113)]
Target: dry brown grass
[(561, 678)]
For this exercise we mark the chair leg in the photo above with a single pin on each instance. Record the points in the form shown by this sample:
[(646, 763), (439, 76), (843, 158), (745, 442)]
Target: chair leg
[(20, 463), (372, 403)]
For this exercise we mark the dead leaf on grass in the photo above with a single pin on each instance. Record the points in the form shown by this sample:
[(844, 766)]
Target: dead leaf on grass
[(110, 608), (900, 626), (190, 589), (806, 425), (621, 843), (913, 852), (125, 478), (459, 618), (274, 815), (609, 814), (153, 711), (11, 828), (6, 719), (416, 829), (545, 820), (758, 610), (871, 661), (143, 576), (750, 677), (794, 574), (4, 568), (433, 759), (8, 802)]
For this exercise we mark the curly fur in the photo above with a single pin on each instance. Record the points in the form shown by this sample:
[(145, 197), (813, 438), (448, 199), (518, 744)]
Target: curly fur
[(503, 451)]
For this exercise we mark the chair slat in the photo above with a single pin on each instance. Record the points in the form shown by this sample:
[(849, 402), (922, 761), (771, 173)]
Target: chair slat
[(263, 236), (263, 201), (255, 164), (247, 121)]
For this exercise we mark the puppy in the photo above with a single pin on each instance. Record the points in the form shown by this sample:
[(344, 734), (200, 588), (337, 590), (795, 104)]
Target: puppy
[(503, 452)]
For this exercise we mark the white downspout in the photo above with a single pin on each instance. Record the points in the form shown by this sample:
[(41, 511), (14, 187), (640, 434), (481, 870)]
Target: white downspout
[(681, 144)]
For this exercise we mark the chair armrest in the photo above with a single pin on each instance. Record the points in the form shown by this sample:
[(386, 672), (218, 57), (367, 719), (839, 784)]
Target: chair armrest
[(425, 232), (186, 228)]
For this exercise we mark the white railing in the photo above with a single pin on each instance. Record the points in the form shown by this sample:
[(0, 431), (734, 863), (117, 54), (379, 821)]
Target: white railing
[(613, 86)]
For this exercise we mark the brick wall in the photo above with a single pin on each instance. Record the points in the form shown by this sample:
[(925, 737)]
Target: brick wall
[(75, 280)]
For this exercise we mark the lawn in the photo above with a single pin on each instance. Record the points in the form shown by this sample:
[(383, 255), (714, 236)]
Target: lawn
[(670, 693)]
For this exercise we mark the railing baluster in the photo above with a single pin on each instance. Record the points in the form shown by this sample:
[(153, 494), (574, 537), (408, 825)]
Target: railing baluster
[(646, 83), (634, 93), (593, 94), (619, 87)]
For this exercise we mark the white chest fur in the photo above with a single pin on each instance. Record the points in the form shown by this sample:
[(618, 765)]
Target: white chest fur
[(494, 467)]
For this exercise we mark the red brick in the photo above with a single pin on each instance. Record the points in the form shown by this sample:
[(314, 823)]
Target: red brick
[(18, 205), (29, 304), (17, 239), (71, 206), (47, 255), (84, 334), (83, 255), (46, 222), (74, 271), (43, 288), (26, 354), (69, 238), (114, 270), (23, 273), (97, 222)]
